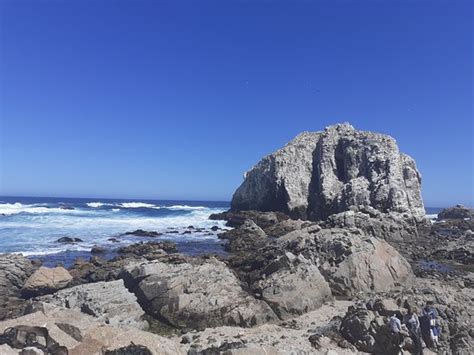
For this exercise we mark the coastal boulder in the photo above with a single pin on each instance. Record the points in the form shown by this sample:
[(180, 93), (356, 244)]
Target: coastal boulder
[(369, 332), (349, 260), (292, 285), (46, 280), (195, 295), (321, 173), (110, 302), (457, 212), (247, 236), (14, 271)]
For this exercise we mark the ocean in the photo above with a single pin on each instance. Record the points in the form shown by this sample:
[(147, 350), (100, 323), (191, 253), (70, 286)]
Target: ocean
[(31, 225)]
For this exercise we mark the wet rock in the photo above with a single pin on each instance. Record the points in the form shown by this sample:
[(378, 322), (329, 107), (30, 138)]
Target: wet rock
[(237, 218), (247, 236), (149, 250), (456, 212), (144, 233), (321, 173), (69, 240), (46, 280), (97, 250), (113, 240), (215, 228), (97, 269), (131, 349)]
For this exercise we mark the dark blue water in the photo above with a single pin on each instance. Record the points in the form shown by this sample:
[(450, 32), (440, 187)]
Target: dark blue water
[(31, 226)]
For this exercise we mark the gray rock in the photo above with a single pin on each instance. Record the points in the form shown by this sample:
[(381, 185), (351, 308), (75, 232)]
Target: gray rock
[(95, 336), (261, 219), (110, 302), (457, 212), (284, 227), (391, 226), (245, 237), (14, 271), (350, 260), (293, 285), (369, 332), (195, 295), (321, 173)]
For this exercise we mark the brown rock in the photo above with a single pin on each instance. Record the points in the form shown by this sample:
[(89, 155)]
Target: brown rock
[(46, 280)]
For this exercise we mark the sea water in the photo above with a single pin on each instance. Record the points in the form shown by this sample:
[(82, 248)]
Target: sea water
[(32, 226)]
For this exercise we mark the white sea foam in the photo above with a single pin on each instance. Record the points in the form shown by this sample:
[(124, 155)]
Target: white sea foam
[(50, 251), (137, 205), (15, 208), (185, 207), (96, 204)]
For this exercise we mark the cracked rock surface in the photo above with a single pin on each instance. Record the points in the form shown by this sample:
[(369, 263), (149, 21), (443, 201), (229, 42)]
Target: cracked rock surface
[(321, 173)]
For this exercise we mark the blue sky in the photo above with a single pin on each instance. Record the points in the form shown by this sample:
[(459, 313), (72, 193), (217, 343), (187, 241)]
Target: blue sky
[(176, 99)]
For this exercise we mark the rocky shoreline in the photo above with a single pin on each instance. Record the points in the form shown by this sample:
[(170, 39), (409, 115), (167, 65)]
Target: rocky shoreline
[(309, 269)]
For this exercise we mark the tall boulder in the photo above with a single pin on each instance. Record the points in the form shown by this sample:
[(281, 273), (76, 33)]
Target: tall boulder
[(321, 173), (14, 271)]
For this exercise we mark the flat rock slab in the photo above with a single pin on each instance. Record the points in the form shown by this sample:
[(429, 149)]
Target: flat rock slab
[(110, 302), (95, 337)]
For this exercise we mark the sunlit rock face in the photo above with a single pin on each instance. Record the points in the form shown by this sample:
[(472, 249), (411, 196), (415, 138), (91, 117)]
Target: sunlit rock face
[(321, 173)]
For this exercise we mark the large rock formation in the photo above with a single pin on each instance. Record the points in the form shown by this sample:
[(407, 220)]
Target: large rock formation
[(321, 173), (293, 285), (349, 260)]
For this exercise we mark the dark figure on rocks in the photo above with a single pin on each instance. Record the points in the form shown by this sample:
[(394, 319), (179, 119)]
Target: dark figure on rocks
[(412, 323), (430, 329), (395, 326)]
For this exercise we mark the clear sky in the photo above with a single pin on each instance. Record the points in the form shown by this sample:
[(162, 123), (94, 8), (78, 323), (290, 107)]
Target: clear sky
[(176, 99)]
